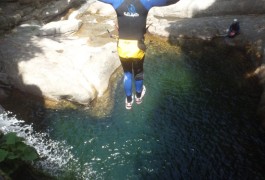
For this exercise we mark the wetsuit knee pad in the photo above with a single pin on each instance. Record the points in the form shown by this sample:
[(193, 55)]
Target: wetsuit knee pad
[(139, 76)]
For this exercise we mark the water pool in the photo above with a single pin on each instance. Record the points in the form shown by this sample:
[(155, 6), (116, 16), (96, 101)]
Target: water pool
[(197, 121)]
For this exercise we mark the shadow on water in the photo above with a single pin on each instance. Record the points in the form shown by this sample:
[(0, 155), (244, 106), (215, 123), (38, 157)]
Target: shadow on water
[(207, 106), (197, 121), (216, 131)]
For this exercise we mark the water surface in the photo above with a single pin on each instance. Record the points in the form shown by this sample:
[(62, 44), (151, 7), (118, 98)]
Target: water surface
[(197, 121)]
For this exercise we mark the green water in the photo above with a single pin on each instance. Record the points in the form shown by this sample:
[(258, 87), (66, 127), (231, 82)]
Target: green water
[(197, 121)]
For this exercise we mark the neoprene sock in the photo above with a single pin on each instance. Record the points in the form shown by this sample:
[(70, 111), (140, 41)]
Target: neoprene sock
[(138, 95), (129, 99)]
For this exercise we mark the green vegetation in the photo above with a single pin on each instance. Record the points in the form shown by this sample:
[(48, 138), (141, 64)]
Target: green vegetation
[(16, 158)]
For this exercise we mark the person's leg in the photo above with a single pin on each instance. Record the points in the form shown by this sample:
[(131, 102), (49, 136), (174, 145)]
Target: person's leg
[(138, 76), (127, 78)]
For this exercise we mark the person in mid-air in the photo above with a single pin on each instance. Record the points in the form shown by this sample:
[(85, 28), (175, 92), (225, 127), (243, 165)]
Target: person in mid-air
[(132, 15)]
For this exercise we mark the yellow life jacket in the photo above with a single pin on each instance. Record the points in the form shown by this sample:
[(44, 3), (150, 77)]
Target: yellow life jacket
[(129, 49)]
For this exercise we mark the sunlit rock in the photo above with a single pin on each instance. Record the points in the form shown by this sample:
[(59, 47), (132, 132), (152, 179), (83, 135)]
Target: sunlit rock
[(202, 8), (60, 27), (74, 62), (69, 70), (101, 9)]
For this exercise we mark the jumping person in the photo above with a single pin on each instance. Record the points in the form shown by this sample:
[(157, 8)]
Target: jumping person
[(132, 15)]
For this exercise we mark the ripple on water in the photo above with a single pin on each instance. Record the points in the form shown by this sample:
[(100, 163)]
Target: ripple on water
[(197, 121), (55, 156)]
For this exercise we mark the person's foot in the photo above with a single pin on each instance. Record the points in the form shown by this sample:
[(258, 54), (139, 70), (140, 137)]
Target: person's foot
[(128, 105), (139, 100)]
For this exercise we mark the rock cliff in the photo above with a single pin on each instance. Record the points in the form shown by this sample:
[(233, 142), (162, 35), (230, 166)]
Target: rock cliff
[(46, 59)]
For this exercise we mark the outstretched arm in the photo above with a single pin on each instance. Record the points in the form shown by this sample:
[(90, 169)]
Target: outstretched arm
[(151, 3), (114, 3), (169, 2)]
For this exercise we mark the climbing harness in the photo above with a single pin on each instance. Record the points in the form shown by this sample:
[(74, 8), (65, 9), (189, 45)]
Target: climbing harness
[(130, 49)]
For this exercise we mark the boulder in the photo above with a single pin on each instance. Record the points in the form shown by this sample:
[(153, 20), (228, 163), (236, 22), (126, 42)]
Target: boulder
[(60, 27), (13, 14), (40, 61), (69, 68), (202, 8), (102, 9), (56, 8), (207, 28), (60, 68)]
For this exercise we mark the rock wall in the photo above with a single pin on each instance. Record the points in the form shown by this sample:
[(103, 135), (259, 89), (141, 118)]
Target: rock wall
[(185, 19), (203, 8), (207, 20), (13, 13), (48, 61), (5, 86), (196, 8)]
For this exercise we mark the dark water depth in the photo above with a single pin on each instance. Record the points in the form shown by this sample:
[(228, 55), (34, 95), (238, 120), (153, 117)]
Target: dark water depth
[(197, 121)]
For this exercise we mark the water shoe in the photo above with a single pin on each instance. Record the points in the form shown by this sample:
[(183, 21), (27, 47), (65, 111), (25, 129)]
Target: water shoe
[(128, 105), (139, 100)]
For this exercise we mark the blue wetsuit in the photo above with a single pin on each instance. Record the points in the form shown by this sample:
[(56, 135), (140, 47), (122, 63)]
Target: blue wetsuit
[(132, 15)]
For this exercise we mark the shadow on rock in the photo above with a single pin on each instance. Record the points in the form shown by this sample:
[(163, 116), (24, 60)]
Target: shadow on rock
[(24, 100), (202, 39)]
